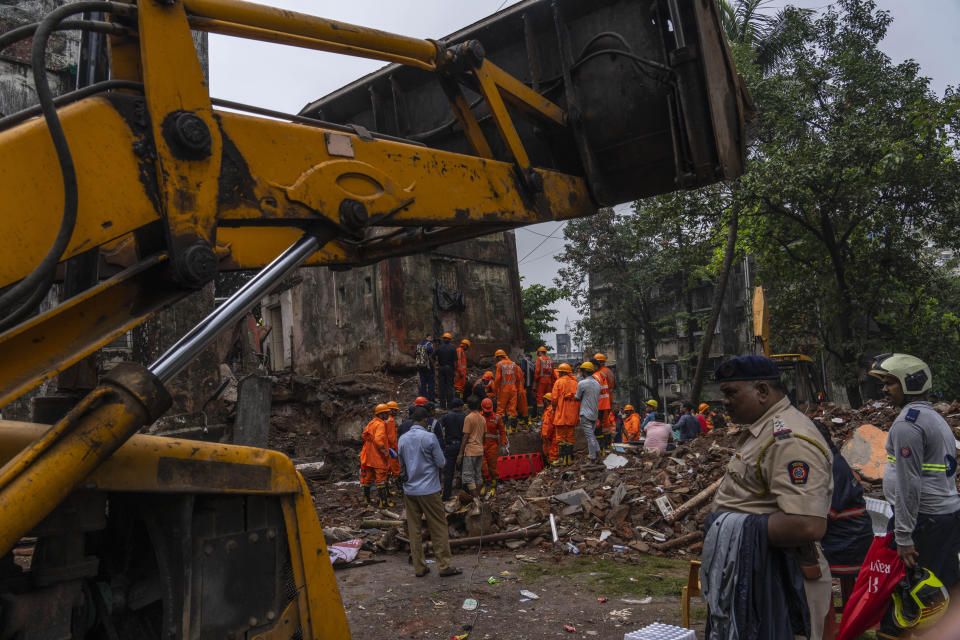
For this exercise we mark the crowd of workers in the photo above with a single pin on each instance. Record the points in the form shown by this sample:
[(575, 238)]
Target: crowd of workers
[(788, 497)]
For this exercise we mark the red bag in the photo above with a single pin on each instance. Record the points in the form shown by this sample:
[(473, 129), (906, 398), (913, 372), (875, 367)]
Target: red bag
[(882, 569)]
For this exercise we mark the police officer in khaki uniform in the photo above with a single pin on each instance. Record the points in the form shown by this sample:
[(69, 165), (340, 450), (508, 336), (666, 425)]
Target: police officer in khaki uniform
[(782, 467)]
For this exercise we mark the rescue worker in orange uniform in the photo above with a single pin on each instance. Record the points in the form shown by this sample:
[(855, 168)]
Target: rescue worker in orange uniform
[(481, 388), (566, 413), (460, 375), (704, 411), (631, 424), (394, 486), (375, 456), (548, 433), (607, 421), (543, 376), (507, 385), (604, 415), (494, 443)]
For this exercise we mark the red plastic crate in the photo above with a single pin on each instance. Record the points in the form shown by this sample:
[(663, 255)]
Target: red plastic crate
[(521, 465)]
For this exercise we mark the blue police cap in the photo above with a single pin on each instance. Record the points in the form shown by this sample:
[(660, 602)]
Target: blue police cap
[(457, 403), (747, 368)]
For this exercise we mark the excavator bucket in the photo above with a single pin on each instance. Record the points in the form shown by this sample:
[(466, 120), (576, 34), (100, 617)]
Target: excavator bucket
[(651, 96)]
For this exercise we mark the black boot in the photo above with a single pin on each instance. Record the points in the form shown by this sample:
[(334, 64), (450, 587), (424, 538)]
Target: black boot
[(366, 494)]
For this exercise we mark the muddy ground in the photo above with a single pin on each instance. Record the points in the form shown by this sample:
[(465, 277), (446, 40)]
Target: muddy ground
[(386, 600)]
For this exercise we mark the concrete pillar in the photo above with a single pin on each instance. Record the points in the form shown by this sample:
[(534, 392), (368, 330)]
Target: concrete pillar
[(253, 412)]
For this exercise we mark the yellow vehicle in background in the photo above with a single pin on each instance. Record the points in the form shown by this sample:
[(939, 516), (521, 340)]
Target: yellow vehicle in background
[(543, 112), (797, 371)]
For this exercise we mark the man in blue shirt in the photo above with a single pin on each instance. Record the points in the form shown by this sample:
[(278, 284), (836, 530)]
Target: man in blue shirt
[(688, 426), (421, 460)]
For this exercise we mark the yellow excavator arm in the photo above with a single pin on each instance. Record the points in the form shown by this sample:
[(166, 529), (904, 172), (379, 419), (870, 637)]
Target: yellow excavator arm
[(602, 103)]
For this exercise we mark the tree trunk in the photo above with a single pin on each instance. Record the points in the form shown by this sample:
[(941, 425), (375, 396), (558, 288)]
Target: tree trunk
[(718, 293)]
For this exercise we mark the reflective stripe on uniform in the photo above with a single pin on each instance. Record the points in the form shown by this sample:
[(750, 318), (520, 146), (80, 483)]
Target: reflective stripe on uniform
[(926, 466)]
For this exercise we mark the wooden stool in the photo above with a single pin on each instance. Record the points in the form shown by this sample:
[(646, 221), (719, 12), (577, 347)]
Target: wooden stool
[(692, 589)]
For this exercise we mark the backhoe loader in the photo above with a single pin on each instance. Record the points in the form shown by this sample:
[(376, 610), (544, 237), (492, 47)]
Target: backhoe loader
[(544, 111)]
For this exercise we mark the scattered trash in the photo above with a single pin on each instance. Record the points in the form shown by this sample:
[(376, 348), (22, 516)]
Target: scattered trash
[(621, 614), (572, 548), (492, 580), (569, 628), (837, 420), (633, 600), (529, 595), (646, 600), (606, 533), (462, 636), (345, 483), (634, 580), (601, 599), (614, 461), (470, 604), (663, 503), (619, 548), (505, 573), (344, 552), (430, 561)]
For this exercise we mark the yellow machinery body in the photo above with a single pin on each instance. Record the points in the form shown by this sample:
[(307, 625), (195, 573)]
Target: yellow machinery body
[(108, 534), (798, 371)]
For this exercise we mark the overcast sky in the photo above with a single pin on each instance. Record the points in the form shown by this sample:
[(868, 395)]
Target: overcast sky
[(285, 78)]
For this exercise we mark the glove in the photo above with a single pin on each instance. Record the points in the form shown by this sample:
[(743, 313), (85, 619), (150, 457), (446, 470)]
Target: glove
[(393, 453), (503, 451)]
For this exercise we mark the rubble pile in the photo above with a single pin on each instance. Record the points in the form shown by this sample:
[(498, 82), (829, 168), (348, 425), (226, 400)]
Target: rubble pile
[(637, 502), (652, 503)]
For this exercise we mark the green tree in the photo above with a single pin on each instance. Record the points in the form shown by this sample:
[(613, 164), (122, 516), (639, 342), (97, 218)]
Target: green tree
[(854, 180), (538, 315)]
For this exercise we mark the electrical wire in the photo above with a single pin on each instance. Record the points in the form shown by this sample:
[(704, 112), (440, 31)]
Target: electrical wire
[(22, 298), (540, 244)]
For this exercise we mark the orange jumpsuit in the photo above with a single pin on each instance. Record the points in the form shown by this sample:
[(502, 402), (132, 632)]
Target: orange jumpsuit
[(604, 404), (631, 427), (543, 377), (549, 434), (566, 414), (494, 438), (460, 375), (610, 423), (394, 463), (507, 385), (374, 455)]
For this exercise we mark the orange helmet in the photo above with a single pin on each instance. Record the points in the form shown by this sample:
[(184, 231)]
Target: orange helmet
[(487, 405), (599, 357), (629, 407), (420, 401), (548, 396), (488, 375), (381, 408), (541, 349), (392, 405), (447, 335), (500, 353), (563, 367), (465, 342), (703, 407)]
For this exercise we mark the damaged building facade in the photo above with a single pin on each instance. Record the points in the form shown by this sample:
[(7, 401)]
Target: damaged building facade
[(329, 323)]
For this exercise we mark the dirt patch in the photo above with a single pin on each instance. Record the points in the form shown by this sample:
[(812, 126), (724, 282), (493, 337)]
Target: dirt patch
[(386, 599)]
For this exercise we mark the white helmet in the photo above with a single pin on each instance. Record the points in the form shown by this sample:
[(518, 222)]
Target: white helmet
[(912, 372)]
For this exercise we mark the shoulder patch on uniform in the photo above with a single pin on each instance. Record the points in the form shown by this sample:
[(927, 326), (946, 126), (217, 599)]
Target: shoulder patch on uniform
[(912, 415), (780, 430), (905, 452), (799, 471)]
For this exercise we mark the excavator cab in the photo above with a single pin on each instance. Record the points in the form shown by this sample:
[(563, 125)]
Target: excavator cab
[(797, 371), (799, 376)]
